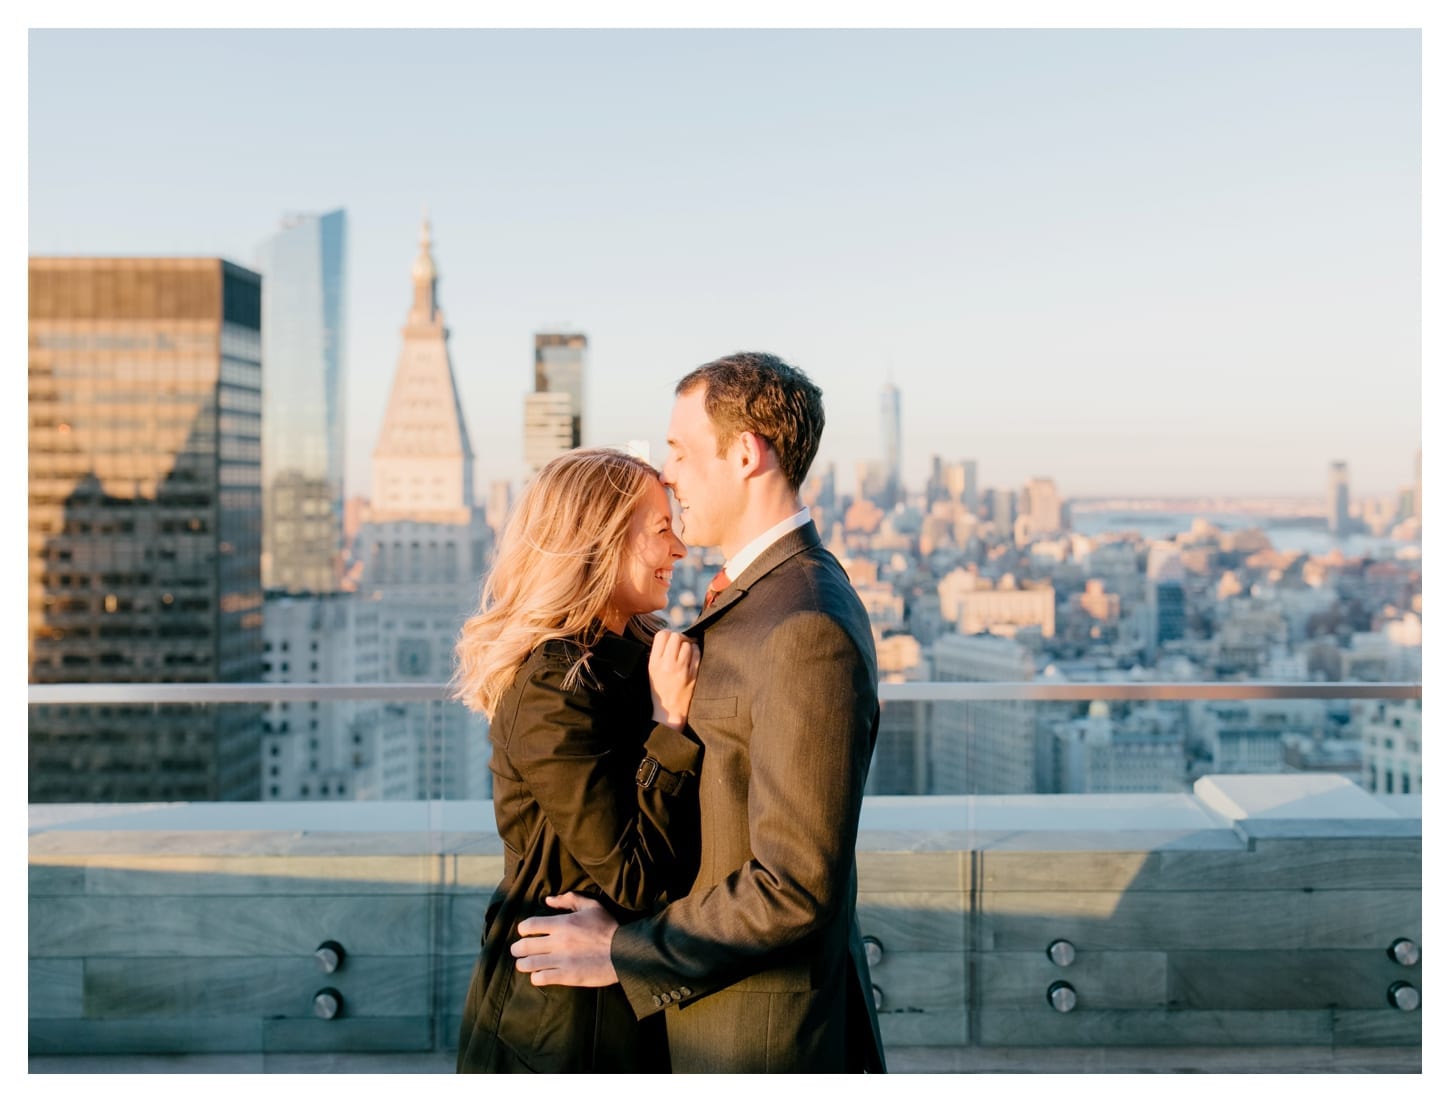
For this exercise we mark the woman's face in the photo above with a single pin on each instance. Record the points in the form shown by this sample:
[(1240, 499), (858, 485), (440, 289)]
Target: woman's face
[(649, 556)]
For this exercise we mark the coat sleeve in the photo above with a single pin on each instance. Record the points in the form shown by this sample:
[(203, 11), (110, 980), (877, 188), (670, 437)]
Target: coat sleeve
[(813, 723), (564, 746)]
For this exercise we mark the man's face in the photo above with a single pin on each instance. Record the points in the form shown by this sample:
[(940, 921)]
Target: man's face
[(708, 486)]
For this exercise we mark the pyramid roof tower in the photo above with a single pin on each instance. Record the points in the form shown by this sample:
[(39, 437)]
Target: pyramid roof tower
[(423, 463)]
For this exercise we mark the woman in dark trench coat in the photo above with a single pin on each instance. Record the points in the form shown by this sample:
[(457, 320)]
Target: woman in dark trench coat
[(592, 786)]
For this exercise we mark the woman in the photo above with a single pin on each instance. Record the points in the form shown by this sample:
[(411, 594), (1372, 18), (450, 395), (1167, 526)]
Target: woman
[(587, 696)]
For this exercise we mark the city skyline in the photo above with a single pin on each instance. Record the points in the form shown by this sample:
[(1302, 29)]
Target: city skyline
[(1209, 240)]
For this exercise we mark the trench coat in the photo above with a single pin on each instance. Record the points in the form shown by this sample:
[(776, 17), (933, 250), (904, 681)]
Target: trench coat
[(590, 796)]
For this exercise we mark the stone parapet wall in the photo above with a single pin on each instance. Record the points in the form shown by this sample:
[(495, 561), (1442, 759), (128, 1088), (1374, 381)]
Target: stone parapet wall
[(1254, 916)]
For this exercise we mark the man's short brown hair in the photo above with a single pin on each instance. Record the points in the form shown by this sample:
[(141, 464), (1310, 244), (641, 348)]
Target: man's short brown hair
[(760, 393)]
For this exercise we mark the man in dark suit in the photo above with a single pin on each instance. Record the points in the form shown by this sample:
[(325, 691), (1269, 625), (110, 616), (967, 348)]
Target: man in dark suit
[(761, 965)]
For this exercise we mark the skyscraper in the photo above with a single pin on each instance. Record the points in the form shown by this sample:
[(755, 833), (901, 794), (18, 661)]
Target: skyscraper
[(1042, 506), (424, 543), (1004, 512), (1338, 504), (548, 429), (145, 522), (984, 747), (891, 443), (559, 369), (961, 483), (303, 322), (423, 462)]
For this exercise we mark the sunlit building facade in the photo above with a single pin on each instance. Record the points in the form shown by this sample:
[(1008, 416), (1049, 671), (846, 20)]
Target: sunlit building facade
[(145, 405)]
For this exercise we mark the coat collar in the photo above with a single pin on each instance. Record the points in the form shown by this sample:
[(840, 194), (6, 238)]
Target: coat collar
[(787, 547), (616, 654), (619, 654)]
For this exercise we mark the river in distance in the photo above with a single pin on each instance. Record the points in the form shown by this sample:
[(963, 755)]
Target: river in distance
[(1286, 535)]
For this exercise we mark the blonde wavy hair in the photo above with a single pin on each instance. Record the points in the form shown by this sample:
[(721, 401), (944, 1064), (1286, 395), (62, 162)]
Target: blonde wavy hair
[(558, 563)]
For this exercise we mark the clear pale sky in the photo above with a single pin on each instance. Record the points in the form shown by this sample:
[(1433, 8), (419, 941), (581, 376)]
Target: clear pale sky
[(1139, 262)]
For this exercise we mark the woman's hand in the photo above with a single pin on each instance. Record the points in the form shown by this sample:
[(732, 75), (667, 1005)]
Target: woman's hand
[(673, 662)]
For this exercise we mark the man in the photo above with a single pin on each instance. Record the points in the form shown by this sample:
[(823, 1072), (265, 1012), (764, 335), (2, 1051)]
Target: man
[(761, 965)]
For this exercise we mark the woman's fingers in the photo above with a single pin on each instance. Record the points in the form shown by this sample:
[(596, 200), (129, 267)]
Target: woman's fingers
[(673, 662), (672, 651)]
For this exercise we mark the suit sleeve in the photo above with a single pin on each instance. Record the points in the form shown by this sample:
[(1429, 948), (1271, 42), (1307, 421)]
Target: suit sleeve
[(812, 723), (567, 754)]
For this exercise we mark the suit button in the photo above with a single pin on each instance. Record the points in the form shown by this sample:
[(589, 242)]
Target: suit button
[(684, 992), (674, 994), (659, 1001)]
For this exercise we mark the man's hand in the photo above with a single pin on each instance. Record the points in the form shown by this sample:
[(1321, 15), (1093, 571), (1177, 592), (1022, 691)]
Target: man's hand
[(570, 949)]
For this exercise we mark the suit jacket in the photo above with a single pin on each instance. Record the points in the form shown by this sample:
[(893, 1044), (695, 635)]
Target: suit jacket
[(574, 817), (762, 962)]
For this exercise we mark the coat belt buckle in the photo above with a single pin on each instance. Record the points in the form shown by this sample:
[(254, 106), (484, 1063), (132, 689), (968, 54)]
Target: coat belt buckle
[(648, 770)]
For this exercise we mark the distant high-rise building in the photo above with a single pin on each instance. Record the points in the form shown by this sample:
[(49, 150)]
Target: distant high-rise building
[(891, 444), (547, 428), (960, 480), (424, 544), (871, 482), (303, 325), (1004, 512), (1169, 609), (1043, 507), (1338, 505), (331, 749), (936, 489), (559, 369), (987, 747), (145, 522), (423, 462)]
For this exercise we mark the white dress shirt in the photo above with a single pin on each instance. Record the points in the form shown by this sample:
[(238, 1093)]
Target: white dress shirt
[(737, 563)]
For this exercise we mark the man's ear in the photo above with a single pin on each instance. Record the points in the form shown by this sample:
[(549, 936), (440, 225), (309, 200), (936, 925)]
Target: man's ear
[(755, 455)]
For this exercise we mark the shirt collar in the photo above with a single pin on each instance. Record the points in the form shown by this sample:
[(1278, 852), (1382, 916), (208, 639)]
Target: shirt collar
[(736, 565)]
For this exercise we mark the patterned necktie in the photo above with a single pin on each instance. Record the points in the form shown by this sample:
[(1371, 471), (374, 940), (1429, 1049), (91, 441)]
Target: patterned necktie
[(717, 584)]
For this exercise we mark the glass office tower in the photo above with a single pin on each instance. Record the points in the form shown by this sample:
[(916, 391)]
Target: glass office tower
[(303, 316), (145, 522), (559, 369)]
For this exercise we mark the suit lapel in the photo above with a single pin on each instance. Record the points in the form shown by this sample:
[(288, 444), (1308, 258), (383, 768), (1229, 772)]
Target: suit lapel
[(787, 547)]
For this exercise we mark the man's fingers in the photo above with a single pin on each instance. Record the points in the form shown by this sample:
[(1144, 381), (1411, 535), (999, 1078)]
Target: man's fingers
[(569, 901), (528, 946), (534, 927)]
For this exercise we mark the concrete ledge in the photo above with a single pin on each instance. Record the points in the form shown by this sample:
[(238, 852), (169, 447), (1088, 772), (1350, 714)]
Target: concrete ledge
[(1243, 927), (1302, 805)]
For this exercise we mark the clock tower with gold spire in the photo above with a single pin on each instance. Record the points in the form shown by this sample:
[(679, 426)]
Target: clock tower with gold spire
[(424, 545)]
